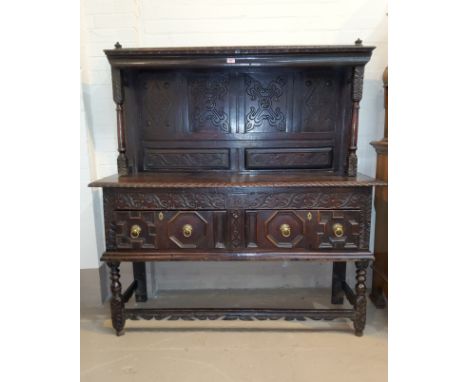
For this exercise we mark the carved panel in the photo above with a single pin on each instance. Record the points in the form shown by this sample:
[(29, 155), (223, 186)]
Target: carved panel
[(117, 88), (123, 222), (366, 211), (190, 229), (236, 224), (312, 158), (347, 239), (265, 104), (155, 159), (320, 102), (358, 79), (283, 229), (209, 103), (158, 103)]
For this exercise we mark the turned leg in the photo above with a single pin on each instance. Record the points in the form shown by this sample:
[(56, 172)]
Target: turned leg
[(339, 276), (117, 304), (361, 301), (139, 274)]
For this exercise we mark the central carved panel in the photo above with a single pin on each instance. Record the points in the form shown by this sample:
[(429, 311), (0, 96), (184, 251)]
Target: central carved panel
[(265, 104)]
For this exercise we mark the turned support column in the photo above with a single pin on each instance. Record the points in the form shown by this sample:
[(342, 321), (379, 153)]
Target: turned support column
[(357, 83), (360, 305), (117, 304), (118, 96)]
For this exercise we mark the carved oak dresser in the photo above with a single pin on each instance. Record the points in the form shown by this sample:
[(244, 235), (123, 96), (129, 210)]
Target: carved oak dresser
[(238, 153)]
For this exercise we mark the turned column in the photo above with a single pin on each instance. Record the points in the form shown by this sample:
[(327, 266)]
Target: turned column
[(117, 304), (360, 305), (118, 96), (357, 83)]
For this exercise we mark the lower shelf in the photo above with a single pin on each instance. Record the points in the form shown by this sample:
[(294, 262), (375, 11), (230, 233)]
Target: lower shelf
[(238, 314), (340, 289)]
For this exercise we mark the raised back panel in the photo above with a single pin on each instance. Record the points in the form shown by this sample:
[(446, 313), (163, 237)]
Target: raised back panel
[(252, 119)]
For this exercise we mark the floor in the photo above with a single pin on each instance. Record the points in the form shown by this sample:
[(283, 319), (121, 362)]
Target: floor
[(236, 351)]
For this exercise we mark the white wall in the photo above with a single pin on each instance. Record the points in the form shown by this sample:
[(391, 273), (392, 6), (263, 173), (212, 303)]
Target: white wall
[(136, 23)]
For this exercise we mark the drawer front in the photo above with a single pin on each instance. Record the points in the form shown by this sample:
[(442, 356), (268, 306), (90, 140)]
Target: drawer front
[(293, 158), (169, 229), (303, 229)]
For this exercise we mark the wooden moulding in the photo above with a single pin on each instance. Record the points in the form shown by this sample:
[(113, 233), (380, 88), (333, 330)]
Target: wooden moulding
[(201, 57), (239, 255)]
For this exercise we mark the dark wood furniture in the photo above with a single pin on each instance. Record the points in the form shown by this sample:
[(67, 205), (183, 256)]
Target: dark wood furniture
[(238, 153), (379, 293)]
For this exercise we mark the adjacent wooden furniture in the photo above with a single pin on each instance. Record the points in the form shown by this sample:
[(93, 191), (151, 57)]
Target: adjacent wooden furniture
[(238, 153), (379, 293)]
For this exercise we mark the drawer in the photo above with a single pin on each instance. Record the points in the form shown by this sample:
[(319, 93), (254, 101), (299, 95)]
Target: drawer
[(169, 229), (262, 229), (289, 158), (303, 229)]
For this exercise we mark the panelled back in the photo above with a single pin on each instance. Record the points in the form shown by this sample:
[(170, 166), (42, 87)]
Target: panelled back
[(241, 120)]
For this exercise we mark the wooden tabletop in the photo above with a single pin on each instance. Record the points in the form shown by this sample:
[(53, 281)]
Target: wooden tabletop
[(222, 180)]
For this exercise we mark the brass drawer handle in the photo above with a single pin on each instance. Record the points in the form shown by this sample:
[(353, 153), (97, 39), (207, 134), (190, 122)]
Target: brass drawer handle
[(187, 230), (135, 231), (338, 229), (285, 230)]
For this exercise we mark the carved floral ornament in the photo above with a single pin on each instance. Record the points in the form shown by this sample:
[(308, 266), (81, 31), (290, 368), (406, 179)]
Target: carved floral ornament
[(209, 199)]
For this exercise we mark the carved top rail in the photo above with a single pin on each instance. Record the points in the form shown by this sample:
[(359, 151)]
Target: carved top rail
[(299, 55)]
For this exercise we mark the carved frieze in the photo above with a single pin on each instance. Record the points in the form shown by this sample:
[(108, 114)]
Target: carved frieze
[(321, 197), (168, 200)]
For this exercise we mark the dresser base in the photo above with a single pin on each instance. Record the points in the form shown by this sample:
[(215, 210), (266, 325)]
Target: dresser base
[(356, 298)]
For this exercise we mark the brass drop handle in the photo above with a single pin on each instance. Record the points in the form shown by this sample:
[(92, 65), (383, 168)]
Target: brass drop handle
[(135, 231), (187, 230), (338, 229), (285, 230)]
